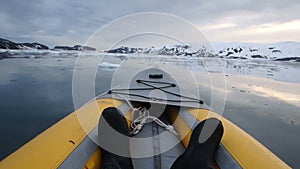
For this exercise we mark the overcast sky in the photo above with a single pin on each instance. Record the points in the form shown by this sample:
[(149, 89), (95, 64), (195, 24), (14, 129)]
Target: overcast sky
[(69, 22)]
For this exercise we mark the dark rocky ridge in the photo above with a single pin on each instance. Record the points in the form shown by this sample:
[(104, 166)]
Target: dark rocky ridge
[(126, 50), (76, 47), (7, 44), (258, 56), (296, 59), (35, 46)]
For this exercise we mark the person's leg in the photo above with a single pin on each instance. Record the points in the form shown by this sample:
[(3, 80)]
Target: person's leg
[(202, 147), (114, 140)]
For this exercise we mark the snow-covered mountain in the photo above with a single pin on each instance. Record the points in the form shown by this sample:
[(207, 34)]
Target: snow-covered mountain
[(274, 51), (169, 50), (282, 51)]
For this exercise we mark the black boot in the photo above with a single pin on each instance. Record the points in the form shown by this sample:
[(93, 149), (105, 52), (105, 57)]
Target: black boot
[(202, 147), (114, 140)]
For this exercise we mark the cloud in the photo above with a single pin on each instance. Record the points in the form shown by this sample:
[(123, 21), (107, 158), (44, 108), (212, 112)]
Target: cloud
[(218, 26), (277, 27), (146, 29), (70, 22), (263, 33)]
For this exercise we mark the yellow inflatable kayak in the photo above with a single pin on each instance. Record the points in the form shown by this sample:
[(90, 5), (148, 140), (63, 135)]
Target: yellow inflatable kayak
[(73, 141)]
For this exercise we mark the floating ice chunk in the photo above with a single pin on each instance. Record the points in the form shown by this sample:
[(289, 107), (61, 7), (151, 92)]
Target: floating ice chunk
[(107, 65)]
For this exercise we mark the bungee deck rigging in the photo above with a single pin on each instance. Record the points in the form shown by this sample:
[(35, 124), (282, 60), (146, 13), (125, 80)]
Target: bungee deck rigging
[(152, 87)]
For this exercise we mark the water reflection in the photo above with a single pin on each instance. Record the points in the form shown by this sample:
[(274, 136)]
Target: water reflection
[(292, 98), (36, 93)]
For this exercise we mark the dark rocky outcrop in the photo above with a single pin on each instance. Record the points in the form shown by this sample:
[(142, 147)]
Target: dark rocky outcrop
[(296, 59), (276, 51), (7, 44), (258, 56), (76, 47), (238, 50), (84, 48), (253, 50), (126, 50), (35, 46), (229, 53)]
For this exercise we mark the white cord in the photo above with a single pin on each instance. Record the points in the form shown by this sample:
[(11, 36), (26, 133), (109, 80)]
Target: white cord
[(142, 118)]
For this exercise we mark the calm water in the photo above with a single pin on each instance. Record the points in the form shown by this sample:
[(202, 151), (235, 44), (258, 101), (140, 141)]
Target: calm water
[(36, 93)]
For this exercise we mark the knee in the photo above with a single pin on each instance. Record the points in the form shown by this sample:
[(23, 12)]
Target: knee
[(110, 112)]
